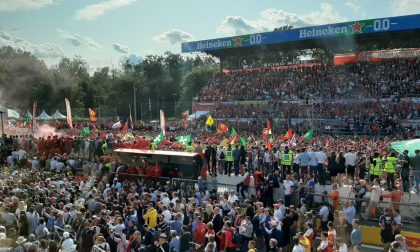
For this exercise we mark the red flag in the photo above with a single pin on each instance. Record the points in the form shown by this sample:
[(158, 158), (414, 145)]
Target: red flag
[(34, 116), (288, 135), (92, 115), (266, 132), (269, 145), (69, 118), (233, 139), (125, 128), (269, 126), (222, 129)]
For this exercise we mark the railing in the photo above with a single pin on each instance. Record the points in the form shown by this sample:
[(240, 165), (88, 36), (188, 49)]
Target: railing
[(146, 179), (189, 184)]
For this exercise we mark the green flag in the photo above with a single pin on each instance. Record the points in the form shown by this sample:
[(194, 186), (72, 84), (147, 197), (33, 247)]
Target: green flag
[(276, 120), (243, 141), (309, 135), (85, 132), (158, 139), (233, 132), (184, 140)]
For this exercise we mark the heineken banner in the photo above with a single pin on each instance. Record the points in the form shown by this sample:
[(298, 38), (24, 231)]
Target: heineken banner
[(369, 26), (375, 56)]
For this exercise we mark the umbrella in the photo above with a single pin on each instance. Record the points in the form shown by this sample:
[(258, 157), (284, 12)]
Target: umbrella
[(410, 145)]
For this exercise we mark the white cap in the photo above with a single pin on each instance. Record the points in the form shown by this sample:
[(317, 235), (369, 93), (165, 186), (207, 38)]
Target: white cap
[(66, 235)]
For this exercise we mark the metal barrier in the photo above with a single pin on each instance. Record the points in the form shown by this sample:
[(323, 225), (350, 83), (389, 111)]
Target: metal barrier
[(146, 179), (184, 184), (188, 184)]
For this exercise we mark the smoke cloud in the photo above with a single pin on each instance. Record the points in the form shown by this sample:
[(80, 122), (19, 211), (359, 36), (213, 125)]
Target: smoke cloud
[(45, 131)]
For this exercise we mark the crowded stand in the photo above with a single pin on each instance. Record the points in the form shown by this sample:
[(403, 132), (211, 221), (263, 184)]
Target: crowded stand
[(367, 80)]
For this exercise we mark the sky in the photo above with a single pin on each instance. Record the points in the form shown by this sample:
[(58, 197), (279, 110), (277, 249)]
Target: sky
[(103, 32)]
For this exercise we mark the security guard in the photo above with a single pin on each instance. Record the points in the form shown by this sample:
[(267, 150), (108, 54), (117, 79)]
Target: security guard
[(228, 160), (391, 161), (286, 161), (375, 166)]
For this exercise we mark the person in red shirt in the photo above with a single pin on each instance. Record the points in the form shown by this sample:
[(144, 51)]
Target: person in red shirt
[(395, 196), (334, 196), (332, 235), (221, 236), (200, 233), (229, 245), (132, 169)]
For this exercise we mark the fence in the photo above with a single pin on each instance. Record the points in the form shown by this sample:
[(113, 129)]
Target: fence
[(144, 110), (146, 179)]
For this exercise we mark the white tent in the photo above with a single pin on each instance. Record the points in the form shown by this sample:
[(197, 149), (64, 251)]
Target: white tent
[(197, 115), (43, 116), (58, 115), (28, 114)]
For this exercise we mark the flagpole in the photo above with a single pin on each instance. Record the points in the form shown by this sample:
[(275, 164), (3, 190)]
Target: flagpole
[(131, 119), (135, 104)]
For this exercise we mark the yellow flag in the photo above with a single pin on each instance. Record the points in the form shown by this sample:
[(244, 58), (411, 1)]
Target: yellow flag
[(210, 121)]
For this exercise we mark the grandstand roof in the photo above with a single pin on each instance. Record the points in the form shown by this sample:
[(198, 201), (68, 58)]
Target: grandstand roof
[(380, 30)]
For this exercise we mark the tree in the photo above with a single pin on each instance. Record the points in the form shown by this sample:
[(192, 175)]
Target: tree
[(193, 82), (284, 27)]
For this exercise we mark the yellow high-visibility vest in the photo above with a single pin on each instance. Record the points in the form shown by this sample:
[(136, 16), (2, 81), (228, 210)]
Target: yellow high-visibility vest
[(376, 170), (286, 159), (390, 164)]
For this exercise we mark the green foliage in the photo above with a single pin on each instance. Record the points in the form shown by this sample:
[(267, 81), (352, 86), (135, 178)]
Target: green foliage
[(284, 27), (170, 81)]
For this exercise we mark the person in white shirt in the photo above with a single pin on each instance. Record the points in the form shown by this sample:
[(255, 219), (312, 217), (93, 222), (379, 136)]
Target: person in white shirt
[(375, 195), (15, 155), (267, 160), (278, 212), (167, 215), (119, 227), (251, 187), (288, 189), (165, 199), (321, 157), (232, 197), (174, 199), (324, 241), (107, 189), (67, 245), (22, 154), (59, 166), (297, 246), (351, 159), (35, 164), (324, 212), (11, 161)]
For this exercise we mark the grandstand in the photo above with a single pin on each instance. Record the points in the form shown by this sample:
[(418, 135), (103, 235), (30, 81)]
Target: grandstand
[(358, 77)]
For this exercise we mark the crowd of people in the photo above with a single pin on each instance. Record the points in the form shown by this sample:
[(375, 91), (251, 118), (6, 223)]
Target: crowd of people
[(48, 206), (375, 80)]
